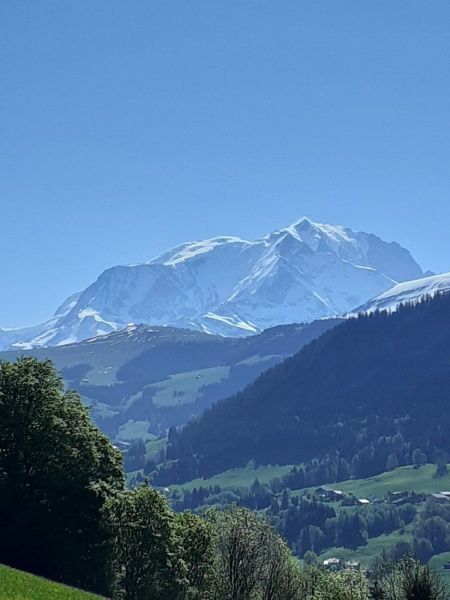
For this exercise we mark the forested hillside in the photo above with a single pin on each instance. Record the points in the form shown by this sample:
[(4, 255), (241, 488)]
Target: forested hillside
[(142, 380), (365, 394)]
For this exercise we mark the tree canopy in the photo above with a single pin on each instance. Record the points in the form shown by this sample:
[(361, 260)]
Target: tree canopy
[(56, 469)]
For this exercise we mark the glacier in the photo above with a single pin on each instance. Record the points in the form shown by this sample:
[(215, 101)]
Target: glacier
[(232, 287), (408, 291)]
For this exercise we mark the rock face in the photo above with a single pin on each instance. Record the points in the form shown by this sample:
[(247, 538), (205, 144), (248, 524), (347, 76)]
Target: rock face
[(232, 287)]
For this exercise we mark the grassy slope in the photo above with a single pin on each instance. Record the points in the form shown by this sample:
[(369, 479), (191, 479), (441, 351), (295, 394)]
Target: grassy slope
[(437, 563), (404, 478), (183, 388), (135, 429), (154, 447), (375, 546), (16, 585), (235, 478)]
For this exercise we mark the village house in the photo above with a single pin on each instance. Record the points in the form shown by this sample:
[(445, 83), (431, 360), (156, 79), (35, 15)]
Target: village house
[(327, 494), (363, 502), (333, 563), (439, 498)]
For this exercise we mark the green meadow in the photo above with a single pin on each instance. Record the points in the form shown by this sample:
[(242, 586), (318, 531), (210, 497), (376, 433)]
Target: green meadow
[(16, 585)]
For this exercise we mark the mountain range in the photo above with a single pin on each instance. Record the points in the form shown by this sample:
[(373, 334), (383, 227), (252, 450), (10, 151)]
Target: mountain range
[(230, 286), (140, 381)]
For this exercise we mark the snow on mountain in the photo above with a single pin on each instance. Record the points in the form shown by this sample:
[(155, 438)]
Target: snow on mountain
[(408, 291), (231, 286)]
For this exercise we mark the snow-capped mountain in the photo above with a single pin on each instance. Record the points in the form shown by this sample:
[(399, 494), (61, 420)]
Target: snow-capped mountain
[(231, 286), (408, 291)]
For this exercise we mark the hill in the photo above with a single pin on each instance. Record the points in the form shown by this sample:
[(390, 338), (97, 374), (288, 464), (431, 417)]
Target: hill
[(17, 585), (231, 286), (142, 380), (372, 390)]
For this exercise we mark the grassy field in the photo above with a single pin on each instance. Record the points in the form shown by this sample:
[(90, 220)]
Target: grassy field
[(375, 546), (437, 563), (135, 429), (154, 447), (16, 585), (235, 478), (404, 478), (184, 388)]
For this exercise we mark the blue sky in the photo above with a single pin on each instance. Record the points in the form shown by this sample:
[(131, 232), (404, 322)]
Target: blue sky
[(128, 127)]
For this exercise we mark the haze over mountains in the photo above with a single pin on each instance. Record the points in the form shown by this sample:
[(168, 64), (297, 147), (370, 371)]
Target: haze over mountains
[(232, 287)]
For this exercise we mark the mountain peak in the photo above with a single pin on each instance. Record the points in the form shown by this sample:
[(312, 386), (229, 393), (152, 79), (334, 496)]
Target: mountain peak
[(231, 286), (304, 223)]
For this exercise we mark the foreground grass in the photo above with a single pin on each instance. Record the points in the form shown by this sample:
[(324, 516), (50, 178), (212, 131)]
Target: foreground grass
[(16, 585)]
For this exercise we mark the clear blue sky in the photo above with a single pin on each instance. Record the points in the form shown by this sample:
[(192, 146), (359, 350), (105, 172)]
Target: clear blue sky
[(130, 126)]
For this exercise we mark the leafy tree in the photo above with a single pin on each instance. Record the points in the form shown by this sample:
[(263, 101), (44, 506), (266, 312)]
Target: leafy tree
[(401, 549), (240, 547), (407, 579), (56, 471), (196, 550), (407, 513), (435, 530), (310, 558), (423, 549), (280, 573), (419, 458), (392, 462), (311, 538), (441, 464), (352, 530), (317, 584), (252, 561), (284, 500), (143, 562)]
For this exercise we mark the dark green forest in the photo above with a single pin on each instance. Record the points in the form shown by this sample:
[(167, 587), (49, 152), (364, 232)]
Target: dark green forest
[(360, 399)]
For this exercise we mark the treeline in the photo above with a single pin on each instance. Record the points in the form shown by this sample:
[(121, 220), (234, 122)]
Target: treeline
[(373, 389), (385, 453), (307, 524)]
